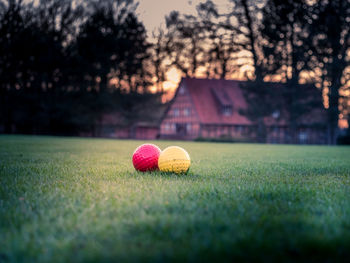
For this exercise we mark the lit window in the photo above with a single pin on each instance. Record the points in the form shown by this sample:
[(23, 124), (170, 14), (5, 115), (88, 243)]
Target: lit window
[(176, 112), (276, 114), (187, 112)]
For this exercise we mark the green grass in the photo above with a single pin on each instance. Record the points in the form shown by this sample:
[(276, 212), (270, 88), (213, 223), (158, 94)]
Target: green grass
[(80, 200)]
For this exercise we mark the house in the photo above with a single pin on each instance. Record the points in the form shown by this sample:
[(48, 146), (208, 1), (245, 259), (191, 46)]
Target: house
[(212, 108)]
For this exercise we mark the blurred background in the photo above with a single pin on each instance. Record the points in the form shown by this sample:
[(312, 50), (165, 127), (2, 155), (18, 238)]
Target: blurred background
[(273, 71)]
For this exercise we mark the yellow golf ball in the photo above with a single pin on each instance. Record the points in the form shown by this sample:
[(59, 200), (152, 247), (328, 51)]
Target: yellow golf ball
[(174, 159)]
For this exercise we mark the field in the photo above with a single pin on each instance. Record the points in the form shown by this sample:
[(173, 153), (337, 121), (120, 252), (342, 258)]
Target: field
[(80, 200)]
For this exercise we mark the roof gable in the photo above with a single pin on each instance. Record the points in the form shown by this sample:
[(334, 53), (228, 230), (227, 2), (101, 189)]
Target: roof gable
[(182, 100)]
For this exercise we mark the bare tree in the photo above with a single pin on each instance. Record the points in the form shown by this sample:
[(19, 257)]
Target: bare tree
[(159, 59), (185, 43)]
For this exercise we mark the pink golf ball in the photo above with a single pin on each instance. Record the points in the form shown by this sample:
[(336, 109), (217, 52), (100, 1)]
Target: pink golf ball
[(145, 157)]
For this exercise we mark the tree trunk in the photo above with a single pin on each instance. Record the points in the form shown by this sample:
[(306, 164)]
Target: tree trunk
[(251, 36), (293, 88), (103, 83), (7, 110), (261, 131), (194, 57), (333, 112)]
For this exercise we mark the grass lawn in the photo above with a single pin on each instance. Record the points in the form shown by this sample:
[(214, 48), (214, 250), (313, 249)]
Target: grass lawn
[(80, 200)]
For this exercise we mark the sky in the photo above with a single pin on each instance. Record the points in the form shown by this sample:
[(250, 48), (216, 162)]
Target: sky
[(152, 12)]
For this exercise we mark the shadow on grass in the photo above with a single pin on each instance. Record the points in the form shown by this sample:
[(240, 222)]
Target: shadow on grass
[(168, 175), (211, 226)]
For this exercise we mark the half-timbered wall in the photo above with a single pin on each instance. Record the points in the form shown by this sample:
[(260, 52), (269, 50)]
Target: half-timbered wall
[(181, 120), (243, 132)]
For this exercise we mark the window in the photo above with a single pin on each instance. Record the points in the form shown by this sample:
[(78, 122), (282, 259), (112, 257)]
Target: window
[(227, 110), (187, 112), (188, 127), (276, 114), (167, 126), (176, 112), (181, 128)]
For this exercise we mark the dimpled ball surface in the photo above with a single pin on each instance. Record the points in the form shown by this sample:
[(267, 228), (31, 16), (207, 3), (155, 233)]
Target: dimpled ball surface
[(174, 159), (145, 157)]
